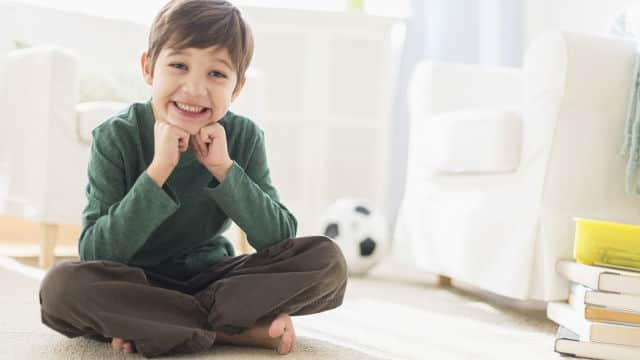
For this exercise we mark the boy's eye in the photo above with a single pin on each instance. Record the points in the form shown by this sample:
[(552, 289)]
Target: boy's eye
[(178, 66), (217, 74), (214, 73)]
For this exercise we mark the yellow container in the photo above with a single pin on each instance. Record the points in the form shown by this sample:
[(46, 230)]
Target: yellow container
[(607, 243)]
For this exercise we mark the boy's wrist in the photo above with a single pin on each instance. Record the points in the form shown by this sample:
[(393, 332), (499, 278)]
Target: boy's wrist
[(221, 171), (158, 173)]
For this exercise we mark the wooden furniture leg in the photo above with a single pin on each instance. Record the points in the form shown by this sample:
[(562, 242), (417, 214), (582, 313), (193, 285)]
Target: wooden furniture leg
[(48, 245), (444, 280), (244, 246)]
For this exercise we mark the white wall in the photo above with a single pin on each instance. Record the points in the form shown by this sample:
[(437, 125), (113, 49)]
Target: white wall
[(591, 16), (142, 12)]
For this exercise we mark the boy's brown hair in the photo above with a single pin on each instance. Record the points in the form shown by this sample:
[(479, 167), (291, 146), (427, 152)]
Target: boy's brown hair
[(202, 24)]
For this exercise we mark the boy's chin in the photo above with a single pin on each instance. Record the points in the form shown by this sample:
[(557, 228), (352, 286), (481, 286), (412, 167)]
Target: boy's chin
[(189, 128)]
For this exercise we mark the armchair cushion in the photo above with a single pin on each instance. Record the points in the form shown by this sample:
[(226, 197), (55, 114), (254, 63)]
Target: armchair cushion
[(484, 141)]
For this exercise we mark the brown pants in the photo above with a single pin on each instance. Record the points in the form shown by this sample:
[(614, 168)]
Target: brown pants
[(106, 299)]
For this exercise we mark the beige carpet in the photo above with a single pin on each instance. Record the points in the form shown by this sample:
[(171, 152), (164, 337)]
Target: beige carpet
[(380, 319)]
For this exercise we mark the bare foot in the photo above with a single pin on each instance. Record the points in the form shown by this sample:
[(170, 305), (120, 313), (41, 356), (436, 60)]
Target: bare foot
[(279, 335), (121, 345), (282, 328)]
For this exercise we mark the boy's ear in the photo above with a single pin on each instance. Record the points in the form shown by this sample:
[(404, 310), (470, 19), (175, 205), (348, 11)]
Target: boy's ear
[(147, 72), (238, 90)]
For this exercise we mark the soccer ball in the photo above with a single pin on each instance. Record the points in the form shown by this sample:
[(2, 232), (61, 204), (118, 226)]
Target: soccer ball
[(361, 233)]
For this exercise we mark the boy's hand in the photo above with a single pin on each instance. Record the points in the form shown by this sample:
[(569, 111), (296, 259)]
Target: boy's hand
[(210, 147), (170, 141)]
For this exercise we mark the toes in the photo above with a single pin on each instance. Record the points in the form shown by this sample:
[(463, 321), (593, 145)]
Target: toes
[(286, 341), (292, 331), (286, 345), (282, 327), (277, 328), (116, 344), (121, 345), (281, 348)]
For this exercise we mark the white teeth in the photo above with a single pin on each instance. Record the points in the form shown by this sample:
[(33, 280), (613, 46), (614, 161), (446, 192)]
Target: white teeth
[(193, 109)]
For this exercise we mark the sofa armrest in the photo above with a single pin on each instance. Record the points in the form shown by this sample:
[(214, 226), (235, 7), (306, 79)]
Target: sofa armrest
[(47, 165), (42, 84), (576, 95), (589, 71), (91, 114), (441, 87)]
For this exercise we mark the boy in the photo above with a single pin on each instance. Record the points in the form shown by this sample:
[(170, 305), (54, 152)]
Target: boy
[(166, 177)]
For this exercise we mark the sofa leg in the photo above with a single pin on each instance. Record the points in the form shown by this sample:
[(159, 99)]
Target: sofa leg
[(48, 245), (443, 280)]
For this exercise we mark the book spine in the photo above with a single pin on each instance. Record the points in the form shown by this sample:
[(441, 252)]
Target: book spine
[(579, 273), (620, 284), (611, 301)]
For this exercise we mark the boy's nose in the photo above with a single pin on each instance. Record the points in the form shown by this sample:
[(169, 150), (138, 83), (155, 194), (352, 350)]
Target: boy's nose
[(194, 88)]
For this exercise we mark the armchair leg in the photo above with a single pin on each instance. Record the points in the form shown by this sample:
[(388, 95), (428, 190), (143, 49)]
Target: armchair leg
[(48, 245), (245, 248), (444, 281)]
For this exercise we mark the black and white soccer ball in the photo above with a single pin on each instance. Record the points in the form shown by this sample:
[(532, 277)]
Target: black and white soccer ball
[(361, 233)]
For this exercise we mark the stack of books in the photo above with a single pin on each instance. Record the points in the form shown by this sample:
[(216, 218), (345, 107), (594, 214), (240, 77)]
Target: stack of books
[(601, 320)]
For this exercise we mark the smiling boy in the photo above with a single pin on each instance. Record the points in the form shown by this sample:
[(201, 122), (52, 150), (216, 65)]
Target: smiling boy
[(166, 178)]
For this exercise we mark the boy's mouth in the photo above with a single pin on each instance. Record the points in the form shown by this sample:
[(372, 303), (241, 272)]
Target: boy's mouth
[(190, 110)]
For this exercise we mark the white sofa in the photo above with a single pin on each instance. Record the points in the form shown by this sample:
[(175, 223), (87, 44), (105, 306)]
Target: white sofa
[(473, 211)]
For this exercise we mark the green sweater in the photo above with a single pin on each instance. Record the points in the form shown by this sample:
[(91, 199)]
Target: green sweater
[(176, 230)]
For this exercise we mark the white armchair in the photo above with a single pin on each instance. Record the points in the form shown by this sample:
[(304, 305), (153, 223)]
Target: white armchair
[(473, 211), (47, 140)]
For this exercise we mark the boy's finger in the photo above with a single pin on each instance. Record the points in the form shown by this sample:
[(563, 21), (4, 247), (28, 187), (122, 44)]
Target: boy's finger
[(201, 147), (207, 133), (205, 149), (196, 148), (203, 135)]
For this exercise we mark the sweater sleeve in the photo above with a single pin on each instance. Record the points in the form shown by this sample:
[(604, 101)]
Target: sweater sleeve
[(117, 221), (249, 198)]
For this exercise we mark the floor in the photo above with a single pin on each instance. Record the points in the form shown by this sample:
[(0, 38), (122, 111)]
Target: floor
[(381, 318)]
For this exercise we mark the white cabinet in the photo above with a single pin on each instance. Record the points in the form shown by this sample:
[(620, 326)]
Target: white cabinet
[(328, 81)]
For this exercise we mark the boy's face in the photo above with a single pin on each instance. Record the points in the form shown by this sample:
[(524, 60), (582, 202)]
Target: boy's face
[(191, 88)]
